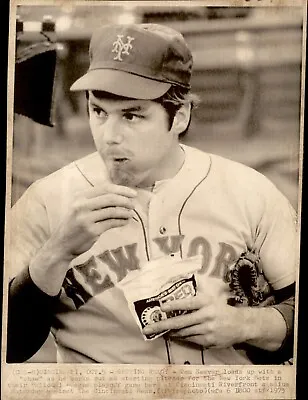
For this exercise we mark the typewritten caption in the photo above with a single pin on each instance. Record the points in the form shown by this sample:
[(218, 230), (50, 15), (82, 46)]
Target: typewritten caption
[(37, 381)]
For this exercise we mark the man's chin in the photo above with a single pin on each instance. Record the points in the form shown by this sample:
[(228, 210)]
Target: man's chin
[(123, 178)]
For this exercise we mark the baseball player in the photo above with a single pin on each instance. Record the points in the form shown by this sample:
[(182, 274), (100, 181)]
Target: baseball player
[(142, 197)]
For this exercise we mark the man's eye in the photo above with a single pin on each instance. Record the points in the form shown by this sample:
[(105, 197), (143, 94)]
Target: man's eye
[(132, 117), (99, 112)]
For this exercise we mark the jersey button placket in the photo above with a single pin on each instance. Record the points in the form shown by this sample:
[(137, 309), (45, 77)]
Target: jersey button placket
[(162, 230)]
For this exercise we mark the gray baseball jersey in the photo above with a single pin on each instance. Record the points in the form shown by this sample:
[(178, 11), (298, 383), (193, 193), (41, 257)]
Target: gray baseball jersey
[(213, 206)]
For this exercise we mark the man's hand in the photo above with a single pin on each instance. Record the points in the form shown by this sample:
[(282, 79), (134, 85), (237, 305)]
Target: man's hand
[(92, 213), (210, 322)]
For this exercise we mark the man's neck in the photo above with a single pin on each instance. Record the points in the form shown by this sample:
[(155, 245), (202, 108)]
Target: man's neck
[(168, 168)]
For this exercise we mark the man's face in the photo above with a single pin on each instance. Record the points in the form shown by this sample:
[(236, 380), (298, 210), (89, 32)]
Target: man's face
[(133, 138)]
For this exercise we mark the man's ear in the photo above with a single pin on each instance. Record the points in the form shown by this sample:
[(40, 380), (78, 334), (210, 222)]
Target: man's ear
[(181, 119)]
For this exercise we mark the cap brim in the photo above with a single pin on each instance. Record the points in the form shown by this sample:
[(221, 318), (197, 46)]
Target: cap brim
[(121, 83)]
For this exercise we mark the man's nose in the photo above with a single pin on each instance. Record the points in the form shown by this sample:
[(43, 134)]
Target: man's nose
[(112, 130)]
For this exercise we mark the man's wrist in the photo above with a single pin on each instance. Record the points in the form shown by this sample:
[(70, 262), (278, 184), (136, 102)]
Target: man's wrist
[(48, 269), (244, 319), (262, 327), (250, 324)]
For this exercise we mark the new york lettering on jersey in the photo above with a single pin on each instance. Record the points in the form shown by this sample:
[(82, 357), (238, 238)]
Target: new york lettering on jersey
[(103, 270)]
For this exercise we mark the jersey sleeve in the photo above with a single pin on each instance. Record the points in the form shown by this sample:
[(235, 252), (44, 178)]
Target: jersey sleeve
[(275, 237), (30, 311), (277, 240), (28, 230)]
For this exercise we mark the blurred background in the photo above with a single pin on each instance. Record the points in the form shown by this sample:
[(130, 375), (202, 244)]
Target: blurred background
[(247, 72)]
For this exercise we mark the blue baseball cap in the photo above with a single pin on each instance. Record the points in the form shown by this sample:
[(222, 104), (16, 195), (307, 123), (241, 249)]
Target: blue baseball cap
[(139, 61)]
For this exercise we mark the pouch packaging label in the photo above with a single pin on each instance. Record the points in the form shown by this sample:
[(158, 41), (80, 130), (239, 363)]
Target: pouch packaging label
[(158, 281), (148, 310)]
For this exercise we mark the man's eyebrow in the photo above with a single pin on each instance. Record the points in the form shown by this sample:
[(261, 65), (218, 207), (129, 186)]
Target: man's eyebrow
[(94, 103), (134, 109), (128, 109)]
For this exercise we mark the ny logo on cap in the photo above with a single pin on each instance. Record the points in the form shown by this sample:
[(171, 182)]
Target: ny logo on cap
[(120, 47)]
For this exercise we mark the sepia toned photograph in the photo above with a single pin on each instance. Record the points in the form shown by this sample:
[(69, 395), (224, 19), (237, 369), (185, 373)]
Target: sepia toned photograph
[(154, 191)]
